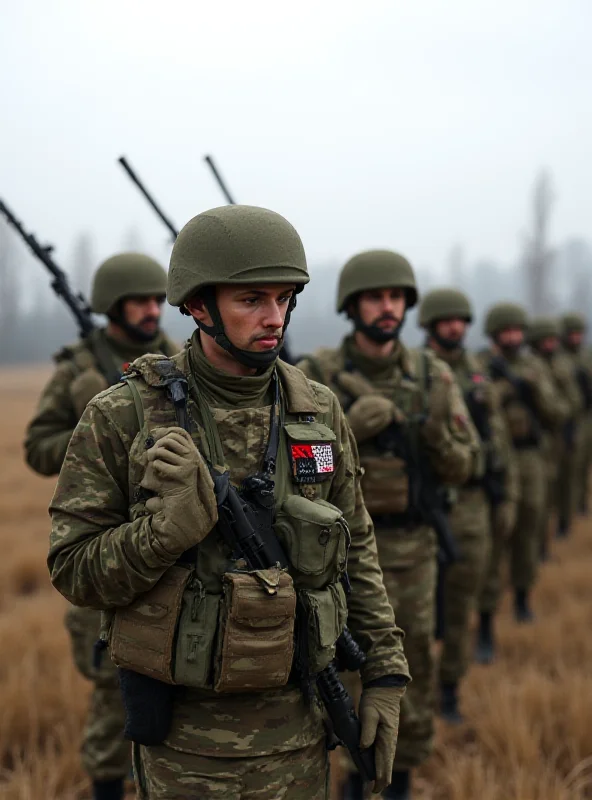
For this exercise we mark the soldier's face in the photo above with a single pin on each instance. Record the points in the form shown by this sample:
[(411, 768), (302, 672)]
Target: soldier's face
[(452, 329), (384, 308), (143, 313), (511, 337), (253, 316), (549, 344), (575, 339)]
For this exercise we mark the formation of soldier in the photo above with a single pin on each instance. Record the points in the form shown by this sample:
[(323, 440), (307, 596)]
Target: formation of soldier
[(221, 515)]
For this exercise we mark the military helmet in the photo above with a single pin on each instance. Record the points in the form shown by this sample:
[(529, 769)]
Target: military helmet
[(505, 315), (572, 322), (126, 275), (444, 304), (376, 269), (540, 328), (235, 244)]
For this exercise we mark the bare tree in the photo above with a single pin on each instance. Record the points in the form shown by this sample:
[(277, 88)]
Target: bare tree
[(538, 256), (83, 263), (9, 293)]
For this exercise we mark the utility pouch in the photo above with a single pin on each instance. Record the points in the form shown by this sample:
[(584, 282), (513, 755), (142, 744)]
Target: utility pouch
[(519, 421), (196, 635), (326, 617), (143, 633), (256, 642), (385, 484), (316, 538)]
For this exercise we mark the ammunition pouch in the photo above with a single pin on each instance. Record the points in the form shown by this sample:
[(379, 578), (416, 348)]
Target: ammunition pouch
[(256, 642), (325, 611), (385, 484), (316, 538)]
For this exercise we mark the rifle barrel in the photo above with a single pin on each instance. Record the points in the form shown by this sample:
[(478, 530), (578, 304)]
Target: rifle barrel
[(125, 164), (210, 162)]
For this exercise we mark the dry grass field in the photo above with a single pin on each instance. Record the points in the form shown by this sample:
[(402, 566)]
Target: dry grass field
[(529, 729)]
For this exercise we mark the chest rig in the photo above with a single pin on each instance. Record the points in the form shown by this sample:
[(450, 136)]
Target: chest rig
[(262, 599)]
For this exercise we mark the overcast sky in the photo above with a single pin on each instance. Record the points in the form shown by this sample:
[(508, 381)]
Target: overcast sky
[(410, 124)]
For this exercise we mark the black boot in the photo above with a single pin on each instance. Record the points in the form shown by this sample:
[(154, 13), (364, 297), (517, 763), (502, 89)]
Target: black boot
[(400, 788), (485, 650), (108, 790), (353, 788), (449, 704), (522, 612)]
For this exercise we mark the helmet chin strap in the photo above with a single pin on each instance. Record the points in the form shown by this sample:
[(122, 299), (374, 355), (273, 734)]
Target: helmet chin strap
[(450, 345), (248, 358), (375, 333)]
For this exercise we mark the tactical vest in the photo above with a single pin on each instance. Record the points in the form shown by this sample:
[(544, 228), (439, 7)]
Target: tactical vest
[(209, 623), (385, 483)]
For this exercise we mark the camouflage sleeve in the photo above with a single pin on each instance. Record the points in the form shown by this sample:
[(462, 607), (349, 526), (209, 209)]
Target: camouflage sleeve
[(52, 426), (370, 615), (97, 557), (456, 453), (567, 383), (552, 408)]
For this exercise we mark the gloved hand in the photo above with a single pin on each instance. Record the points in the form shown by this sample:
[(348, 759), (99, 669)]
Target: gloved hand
[(84, 387), (379, 716), (504, 519), (184, 509), (436, 426), (369, 415)]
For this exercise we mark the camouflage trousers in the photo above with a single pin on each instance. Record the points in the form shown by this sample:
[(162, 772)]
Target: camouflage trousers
[(524, 541), (491, 589), (583, 459), (106, 755), (470, 524), (408, 560), (165, 774)]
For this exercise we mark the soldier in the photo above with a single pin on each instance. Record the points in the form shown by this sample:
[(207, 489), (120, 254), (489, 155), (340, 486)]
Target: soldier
[(559, 446), (413, 431), (129, 289), (485, 506), (218, 701), (529, 402), (573, 334)]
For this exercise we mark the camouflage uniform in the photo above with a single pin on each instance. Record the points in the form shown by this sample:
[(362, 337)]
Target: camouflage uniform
[(107, 551), (529, 402), (79, 374), (559, 445), (580, 360), (407, 547)]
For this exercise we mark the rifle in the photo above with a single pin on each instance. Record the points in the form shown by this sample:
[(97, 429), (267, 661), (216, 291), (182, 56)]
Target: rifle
[(125, 164), (229, 198), (499, 369), (493, 479), (245, 519), (61, 286)]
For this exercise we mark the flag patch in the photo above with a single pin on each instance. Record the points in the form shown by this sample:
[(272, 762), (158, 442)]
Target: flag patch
[(311, 463)]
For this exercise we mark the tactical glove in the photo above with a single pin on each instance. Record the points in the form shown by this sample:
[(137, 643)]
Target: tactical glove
[(370, 415), (504, 519), (84, 387), (184, 508), (379, 715)]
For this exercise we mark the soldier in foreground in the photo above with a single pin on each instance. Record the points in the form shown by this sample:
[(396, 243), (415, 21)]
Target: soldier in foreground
[(529, 402), (413, 431), (485, 507), (573, 335), (219, 703), (560, 445), (129, 289)]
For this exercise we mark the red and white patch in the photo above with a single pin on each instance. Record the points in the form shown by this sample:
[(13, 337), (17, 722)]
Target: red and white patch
[(311, 463)]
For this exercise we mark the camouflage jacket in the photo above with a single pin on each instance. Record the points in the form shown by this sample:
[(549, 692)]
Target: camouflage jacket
[(540, 408), (484, 404), (405, 378), (52, 426), (103, 552), (580, 365)]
